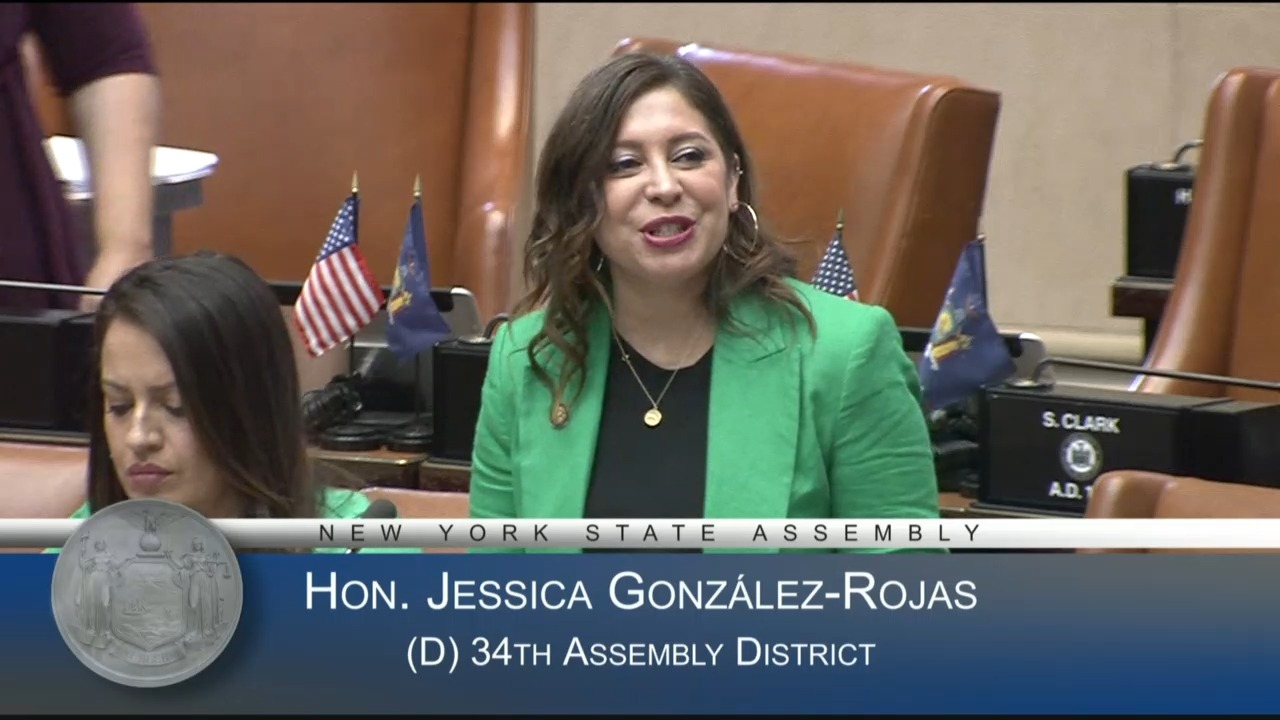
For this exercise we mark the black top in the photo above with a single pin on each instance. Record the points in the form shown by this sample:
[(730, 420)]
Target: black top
[(651, 472)]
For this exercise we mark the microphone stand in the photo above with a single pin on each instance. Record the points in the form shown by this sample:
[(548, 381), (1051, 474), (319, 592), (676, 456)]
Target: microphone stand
[(55, 288), (1035, 381), (351, 355), (51, 287), (415, 435)]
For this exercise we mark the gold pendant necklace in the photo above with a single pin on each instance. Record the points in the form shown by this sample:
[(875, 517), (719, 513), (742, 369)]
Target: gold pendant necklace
[(653, 416)]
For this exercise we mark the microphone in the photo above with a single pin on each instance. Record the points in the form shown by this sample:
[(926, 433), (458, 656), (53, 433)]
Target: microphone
[(380, 509), (492, 326), (335, 403), (1035, 381)]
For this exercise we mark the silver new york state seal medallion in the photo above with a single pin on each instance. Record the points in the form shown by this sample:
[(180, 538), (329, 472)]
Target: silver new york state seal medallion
[(147, 593)]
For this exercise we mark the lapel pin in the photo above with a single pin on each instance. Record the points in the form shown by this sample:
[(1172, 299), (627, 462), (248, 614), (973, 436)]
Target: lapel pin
[(560, 415)]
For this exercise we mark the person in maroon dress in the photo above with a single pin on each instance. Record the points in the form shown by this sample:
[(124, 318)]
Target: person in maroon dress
[(99, 57)]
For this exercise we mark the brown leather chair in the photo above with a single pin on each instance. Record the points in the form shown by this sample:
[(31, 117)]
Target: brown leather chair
[(1139, 494), (295, 98), (905, 155), (425, 504), (41, 481), (1220, 318)]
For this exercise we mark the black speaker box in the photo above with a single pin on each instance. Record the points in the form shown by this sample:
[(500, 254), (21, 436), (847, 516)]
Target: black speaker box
[(45, 358), (1234, 441), (1157, 201), (459, 370)]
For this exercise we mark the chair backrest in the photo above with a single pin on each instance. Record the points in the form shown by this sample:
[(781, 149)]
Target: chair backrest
[(904, 155), (295, 98), (42, 481), (1139, 494), (425, 504), (1220, 316)]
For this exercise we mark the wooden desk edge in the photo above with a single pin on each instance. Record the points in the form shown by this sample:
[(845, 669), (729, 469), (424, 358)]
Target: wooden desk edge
[(379, 457), (955, 506), (950, 504)]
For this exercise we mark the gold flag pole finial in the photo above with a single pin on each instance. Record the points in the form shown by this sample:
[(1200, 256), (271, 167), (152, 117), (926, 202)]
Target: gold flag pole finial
[(355, 184), (417, 186), (840, 220)]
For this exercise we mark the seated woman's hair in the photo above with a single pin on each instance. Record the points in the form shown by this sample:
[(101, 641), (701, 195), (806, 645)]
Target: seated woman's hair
[(222, 330)]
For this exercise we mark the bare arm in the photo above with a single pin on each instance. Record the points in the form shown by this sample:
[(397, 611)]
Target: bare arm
[(118, 119), (99, 57)]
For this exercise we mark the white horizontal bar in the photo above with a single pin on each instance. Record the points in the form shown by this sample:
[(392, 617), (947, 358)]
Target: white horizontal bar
[(1068, 533)]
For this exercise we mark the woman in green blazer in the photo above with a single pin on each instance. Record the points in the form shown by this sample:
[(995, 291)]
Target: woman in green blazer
[(665, 363)]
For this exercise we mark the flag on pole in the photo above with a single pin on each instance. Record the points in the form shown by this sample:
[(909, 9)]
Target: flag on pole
[(965, 350), (414, 323), (835, 272), (340, 295)]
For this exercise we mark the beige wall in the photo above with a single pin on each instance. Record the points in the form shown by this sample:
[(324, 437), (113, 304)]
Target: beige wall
[(1088, 91)]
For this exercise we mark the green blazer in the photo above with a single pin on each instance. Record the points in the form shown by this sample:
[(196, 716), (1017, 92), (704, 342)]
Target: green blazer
[(801, 426)]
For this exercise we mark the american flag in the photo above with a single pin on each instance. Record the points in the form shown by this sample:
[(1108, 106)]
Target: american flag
[(340, 295), (835, 273)]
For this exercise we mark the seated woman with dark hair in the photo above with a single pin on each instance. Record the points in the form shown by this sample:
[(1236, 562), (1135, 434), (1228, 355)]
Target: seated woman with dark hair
[(199, 402)]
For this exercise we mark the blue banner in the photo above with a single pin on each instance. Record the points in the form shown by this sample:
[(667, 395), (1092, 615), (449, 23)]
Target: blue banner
[(614, 633)]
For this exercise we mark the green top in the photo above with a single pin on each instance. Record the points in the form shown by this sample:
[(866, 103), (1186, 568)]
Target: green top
[(338, 504), (799, 428)]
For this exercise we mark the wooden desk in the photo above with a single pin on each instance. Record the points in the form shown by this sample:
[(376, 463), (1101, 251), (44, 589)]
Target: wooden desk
[(455, 477), (1144, 298), (414, 471), (387, 469), (380, 468), (955, 506), (443, 476), (62, 463)]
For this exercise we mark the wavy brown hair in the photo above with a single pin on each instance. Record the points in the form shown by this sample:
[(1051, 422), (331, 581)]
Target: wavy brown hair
[(221, 329), (561, 253)]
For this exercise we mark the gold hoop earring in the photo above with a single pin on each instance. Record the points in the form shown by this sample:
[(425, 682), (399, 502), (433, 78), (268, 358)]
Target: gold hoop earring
[(600, 263), (755, 238), (755, 222)]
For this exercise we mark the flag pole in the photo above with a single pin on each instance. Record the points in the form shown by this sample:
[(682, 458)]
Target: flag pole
[(414, 436), (355, 229), (417, 359)]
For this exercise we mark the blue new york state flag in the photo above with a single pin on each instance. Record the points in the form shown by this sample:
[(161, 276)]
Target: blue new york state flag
[(965, 350), (414, 323)]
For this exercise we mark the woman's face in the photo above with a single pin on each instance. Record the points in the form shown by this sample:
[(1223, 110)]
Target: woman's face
[(153, 446), (668, 194)]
